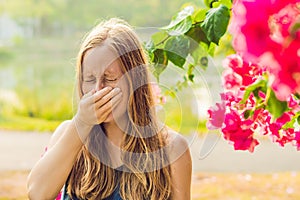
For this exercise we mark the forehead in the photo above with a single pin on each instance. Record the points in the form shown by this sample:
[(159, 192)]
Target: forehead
[(99, 60)]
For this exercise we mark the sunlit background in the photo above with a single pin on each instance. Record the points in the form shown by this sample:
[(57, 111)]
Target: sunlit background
[(39, 41)]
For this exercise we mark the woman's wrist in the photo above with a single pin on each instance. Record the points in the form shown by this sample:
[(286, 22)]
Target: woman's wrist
[(82, 128)]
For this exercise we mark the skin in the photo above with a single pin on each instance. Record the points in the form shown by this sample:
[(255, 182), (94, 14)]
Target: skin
[(101, 73)]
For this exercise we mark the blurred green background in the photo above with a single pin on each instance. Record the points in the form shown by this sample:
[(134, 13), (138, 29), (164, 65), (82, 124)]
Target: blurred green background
[(39, 41)]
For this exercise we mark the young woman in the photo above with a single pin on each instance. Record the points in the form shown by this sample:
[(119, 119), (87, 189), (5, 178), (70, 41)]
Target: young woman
[(114, 147)]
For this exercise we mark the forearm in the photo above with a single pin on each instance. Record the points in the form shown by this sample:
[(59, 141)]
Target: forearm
[(50, 173)]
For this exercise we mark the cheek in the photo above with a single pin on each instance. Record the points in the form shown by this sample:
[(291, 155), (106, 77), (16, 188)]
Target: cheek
[(125, 95), (86, 87)]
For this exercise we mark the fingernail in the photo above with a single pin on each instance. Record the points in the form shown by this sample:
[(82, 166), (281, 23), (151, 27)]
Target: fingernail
[(117, 89)]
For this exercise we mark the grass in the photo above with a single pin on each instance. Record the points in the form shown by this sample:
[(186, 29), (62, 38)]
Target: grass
[(234, 186), (15, 122), (43, 80), (205, 186)]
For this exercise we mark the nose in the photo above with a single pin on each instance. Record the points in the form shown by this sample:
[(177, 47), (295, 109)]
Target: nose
[(99, 85)]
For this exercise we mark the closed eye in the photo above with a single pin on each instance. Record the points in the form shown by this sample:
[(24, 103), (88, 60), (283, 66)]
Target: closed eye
[(90, 80), (111, 79)]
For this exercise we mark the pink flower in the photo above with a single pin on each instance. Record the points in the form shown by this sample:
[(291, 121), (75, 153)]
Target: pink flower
[(287, 136), (59, 196), (216, 116), (282, 22), (247, 71), (267, 49), (257, 38), (287, 76), (231, 79), (297, 139), (233, 61), (239, 132), (279, 4), (294, 104), (232, 124), (251, 35), (243, 140), (277, 125), (158, 97)]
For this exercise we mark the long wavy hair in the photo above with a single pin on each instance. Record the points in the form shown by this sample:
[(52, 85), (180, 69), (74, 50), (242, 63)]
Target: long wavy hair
[(147, 174)]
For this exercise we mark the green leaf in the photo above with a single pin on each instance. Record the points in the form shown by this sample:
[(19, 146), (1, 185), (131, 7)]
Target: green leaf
[(275, 106), (258, 85), (177, 49), (204, 62), (158, 39), (215, 23), (198, 54), (160, 57), (190, 71), (211, 49), (181, 28), (160, 62), (294, 28), (209, 3), (196, 36), (226, 3), (248, 113), (199, 15), (186, 12), (290, 124), (149, 46)]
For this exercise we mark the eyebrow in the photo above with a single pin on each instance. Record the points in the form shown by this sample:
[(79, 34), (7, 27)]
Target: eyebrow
[(88, 75)]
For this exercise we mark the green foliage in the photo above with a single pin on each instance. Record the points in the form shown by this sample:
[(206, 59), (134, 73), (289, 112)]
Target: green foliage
[(6, 55), (56, 16), (215, 23), (44, 77), (275, 106), (259, 85), (193, 32), (270, 102), (17, 122), (177, 49), (181, 23), (290, 124)]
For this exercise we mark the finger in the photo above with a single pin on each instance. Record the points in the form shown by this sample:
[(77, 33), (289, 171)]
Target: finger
[(108, 97), (102, 115), (106, 109), (116, 100), (110, 104), (101, 93)]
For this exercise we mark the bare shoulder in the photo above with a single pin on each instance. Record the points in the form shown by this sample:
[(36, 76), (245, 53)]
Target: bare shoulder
[(58, 132), (176, 139), (180, 164), (177, 146)]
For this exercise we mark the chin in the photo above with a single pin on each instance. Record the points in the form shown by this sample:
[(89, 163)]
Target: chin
[(115, 118), (109, 118)]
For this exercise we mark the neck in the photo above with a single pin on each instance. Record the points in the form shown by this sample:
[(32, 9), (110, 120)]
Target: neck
[(114, 133)]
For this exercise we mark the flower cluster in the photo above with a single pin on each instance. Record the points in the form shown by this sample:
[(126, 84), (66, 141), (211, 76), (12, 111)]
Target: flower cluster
[(246, 111), (159, 98), (267, 31), (261, 81)]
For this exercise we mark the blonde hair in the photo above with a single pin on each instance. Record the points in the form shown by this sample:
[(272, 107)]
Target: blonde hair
[(147, 174)]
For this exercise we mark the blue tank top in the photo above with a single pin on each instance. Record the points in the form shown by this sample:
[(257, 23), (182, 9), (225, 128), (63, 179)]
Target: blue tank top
[(114, 196)]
